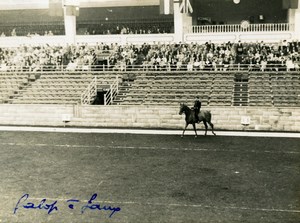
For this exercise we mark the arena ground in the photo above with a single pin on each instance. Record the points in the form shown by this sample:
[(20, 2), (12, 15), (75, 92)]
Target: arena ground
[(148, 176)]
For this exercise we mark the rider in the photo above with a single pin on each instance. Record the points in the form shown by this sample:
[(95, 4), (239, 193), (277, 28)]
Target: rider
[(197, 107)]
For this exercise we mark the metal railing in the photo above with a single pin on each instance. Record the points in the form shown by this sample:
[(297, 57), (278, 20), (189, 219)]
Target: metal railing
[(112, 92), (88, 96), (262, 27), (150, 67)]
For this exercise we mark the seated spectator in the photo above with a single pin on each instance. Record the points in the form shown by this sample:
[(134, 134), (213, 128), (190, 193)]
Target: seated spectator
[(178, 65), (297, 64), (196, 65), (71, 66), (202, 64), (3, 66), (289, 64), (35, 66), (226, 63), (163, 63), (190, 66), (13, 32), (263, 64), (157, 56)]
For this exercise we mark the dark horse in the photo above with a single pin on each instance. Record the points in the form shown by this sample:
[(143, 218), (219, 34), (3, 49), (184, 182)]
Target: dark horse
[(204, 116)]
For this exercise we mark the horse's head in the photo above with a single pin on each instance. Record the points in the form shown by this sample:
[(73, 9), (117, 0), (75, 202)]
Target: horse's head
[(182, 109)]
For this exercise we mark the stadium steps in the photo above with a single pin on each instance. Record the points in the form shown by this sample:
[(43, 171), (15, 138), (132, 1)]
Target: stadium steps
[(241, 96), (124, 89), (11, 84), (54, 88)]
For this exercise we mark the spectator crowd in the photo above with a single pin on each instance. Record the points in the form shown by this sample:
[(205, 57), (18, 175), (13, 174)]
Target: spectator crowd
[(280, 56), (127, 28)]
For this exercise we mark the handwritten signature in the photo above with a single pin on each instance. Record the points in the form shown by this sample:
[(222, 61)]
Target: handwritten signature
[(53, 206)]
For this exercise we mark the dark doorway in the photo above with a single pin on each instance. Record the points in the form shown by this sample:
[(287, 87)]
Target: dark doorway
[(99, 100)]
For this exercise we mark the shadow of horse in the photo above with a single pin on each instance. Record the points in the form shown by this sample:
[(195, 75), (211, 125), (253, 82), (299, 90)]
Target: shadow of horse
[(204, 116)]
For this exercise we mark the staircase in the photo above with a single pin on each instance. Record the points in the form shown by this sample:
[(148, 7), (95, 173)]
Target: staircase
[(124, 88), (240, 95), (22, 86)]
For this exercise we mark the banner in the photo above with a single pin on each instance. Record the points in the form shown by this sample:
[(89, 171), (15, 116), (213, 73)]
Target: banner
[(186, 7), (166, 7), (55, 8)]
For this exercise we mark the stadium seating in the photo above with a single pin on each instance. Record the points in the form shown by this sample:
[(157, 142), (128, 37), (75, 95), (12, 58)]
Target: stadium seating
[(222, 89), (58, 88), (10, 83), (260, 89), (215, 89), (279, 89), (285, 89), (161, 84), (173, 88)]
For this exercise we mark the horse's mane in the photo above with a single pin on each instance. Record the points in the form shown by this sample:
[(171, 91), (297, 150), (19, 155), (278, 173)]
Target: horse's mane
[(185, 105)]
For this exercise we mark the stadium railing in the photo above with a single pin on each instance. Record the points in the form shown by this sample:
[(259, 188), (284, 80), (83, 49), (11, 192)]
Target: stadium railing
[(152, 67), (262, 27)]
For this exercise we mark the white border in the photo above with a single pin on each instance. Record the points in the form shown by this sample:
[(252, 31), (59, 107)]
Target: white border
[(147, 131)]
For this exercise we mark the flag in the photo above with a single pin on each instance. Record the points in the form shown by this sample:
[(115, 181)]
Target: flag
[(186, 7), (55, 8), (166, 7), (72, 11)]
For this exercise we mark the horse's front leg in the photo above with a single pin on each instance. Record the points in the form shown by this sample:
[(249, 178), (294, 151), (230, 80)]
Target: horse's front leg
[(186, 125), (194, 126)]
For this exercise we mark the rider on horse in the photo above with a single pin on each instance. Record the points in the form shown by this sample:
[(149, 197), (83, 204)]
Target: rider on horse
[(197, 107)]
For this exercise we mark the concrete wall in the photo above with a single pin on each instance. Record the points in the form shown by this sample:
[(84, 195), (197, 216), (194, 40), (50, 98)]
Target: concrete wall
[(15, 41), (224, 118), (268, 37)]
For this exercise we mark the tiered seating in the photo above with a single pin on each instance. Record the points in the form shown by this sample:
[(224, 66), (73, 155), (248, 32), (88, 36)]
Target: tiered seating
[(105, 79), (10, 83), (260, 89), (214, 88), (54, 88), (286, 89), (222, 89), (170, 88)]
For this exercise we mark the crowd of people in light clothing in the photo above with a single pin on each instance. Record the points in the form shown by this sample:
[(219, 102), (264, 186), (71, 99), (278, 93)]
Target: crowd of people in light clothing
[(280, 56)]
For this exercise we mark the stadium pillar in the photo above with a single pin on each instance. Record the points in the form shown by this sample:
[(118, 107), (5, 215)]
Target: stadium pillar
[(297, 22), (182, 22), (70, 27), (71, 10), (294, 18)]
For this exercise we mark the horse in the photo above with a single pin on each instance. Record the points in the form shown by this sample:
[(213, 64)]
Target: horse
[(204, 116)]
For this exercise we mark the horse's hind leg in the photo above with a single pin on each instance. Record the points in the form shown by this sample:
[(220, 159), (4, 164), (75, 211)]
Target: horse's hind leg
[(194, 126), (205, 124), (212, 128)]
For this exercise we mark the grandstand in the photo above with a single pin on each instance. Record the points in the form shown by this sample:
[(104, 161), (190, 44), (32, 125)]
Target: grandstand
[(135, 55), (158, 88), (105, 67)]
